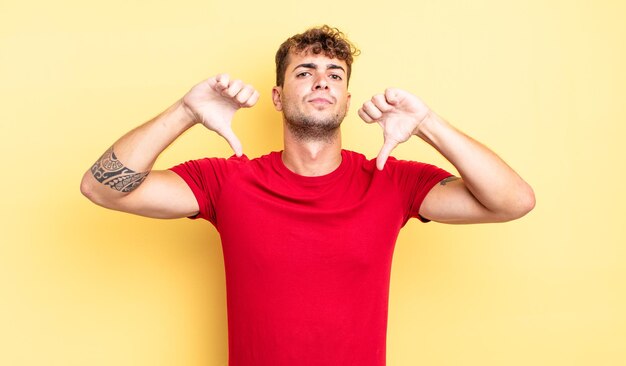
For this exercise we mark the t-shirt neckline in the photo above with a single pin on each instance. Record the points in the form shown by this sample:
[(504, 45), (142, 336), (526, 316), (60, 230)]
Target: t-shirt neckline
[(321, 179)]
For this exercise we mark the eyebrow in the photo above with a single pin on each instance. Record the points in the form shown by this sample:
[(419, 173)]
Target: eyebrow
[(314, 66)]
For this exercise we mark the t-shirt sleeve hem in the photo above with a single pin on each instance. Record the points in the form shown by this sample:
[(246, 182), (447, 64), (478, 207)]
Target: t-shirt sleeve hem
[(441, 176), (196, 192)]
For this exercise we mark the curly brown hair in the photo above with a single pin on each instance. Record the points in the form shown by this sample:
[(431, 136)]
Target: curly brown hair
[(329, 41)]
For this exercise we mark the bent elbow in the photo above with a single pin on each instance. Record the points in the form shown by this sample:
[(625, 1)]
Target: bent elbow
[(86, 187), (525, 203), (530, 201), (527, 206), (89, 188), (101, 194)]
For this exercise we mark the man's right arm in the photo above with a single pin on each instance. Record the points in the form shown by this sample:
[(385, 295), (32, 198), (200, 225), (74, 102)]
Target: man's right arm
[(122, 178)]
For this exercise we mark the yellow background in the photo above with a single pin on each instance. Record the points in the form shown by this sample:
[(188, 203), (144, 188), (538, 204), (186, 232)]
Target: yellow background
[(543, 83)]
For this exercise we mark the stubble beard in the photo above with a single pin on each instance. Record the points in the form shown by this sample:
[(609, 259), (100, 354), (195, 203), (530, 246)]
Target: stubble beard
[(311, 128)]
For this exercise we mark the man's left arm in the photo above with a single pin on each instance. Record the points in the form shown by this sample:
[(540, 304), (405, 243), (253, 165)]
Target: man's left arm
[(488, 189)]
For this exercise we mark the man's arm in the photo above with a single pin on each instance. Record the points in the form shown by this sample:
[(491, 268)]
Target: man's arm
[(122, 178), (488, 190)]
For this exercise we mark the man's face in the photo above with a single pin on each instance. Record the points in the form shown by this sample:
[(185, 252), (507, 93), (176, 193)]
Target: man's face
[(314, 98)]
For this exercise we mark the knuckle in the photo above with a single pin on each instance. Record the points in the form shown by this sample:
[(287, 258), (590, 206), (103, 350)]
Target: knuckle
[(228, 93), (377, 98)]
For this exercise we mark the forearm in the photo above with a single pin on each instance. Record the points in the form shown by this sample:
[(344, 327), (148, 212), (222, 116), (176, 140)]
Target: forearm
[(140, 147), (125, 165), (488, 178)]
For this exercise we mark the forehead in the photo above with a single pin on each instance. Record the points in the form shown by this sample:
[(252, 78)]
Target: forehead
[(307, 57)]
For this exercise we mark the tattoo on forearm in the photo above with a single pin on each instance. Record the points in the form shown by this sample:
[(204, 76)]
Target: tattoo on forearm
[(449, 179), (111, 172)]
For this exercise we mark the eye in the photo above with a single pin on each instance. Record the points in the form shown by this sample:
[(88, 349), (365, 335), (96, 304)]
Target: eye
[(303, 74), (336, 77)]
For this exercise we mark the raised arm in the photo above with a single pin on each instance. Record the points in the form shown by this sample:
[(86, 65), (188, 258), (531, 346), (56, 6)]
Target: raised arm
[(122, 178), (488, 190)]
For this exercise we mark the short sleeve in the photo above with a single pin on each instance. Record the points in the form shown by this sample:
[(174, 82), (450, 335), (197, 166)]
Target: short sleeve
[(414, 180), (205, 178)]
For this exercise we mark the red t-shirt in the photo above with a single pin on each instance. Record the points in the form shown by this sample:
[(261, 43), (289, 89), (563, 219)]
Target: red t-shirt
[(307, 259)]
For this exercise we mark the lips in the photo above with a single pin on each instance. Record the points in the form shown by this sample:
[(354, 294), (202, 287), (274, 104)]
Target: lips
[(320, 100)]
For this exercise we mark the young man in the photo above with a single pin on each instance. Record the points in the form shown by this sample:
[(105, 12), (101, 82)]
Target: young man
[(307, 233)]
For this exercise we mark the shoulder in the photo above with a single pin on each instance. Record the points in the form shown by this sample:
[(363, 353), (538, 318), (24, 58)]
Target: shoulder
[(266, 159), (210, 166), (393, 166), (393, 162), (410, 172), (356, 159), (215, 161)]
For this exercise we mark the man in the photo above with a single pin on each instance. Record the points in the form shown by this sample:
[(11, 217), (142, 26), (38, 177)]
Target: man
[(308, 232)]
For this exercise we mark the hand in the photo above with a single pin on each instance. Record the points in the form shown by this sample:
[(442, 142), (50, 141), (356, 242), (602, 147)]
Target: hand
[(214, 101), (399, 113)]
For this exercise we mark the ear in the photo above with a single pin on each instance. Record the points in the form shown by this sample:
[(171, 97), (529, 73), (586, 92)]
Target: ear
[(276, 93), (348, 101)]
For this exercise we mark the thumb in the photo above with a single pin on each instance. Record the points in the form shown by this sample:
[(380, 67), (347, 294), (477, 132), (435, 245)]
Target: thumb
[(384, 153), (232, 140)]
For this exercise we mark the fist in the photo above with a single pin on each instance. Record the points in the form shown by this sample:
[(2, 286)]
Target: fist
[(400, 115), (214, 102)]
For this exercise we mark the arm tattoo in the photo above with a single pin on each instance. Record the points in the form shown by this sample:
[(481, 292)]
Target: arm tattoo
[(449, 179), (111, 172)]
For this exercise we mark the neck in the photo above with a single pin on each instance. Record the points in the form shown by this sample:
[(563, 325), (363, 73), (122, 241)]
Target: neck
[(312, 158)]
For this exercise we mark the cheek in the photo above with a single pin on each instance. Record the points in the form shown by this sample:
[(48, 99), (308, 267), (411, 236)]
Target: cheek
[(289, 96)]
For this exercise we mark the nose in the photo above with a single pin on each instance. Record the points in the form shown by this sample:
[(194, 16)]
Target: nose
[(320, 83)]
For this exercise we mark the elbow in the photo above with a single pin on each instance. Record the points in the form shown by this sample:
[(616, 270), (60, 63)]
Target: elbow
[(531, 199), (99, 193), (524, 203), (528, 202), (86, 188)]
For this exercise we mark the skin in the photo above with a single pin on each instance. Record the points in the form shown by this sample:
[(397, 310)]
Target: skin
[(488, 190), (314, 98), (315, 89)]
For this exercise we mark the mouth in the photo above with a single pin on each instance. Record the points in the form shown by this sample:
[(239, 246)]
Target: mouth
[(320, 101)]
